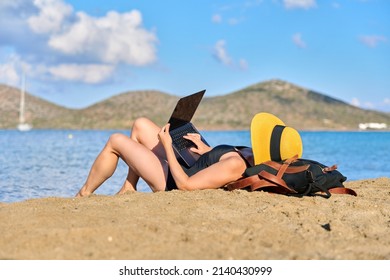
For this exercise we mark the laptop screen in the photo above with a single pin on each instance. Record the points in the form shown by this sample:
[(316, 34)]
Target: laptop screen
[(185, 109)]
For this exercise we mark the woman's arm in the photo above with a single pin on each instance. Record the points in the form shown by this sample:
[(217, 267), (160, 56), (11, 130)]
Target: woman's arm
[(219, 174), (200, 147), (178, 174)]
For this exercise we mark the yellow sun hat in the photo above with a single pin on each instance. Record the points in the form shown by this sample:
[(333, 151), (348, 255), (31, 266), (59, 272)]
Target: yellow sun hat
[(273, 140)]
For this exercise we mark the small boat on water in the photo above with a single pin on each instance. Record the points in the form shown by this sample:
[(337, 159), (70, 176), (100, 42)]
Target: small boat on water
[(23, 126)]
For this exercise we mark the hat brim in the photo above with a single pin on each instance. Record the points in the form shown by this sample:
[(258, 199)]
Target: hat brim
[(262, 126)]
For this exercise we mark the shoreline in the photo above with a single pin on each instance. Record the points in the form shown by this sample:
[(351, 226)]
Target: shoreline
[(200, 128), (146, 192), (208, 224)]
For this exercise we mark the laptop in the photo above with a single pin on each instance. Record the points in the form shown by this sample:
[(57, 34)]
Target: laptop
[(180, 125)]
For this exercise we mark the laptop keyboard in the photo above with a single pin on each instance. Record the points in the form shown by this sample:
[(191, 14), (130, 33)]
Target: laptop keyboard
[(177, 137)]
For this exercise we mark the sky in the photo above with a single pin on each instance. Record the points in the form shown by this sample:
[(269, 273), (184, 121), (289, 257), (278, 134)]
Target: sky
[(76, 53)]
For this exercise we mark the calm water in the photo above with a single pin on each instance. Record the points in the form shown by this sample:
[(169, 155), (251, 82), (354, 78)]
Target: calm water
[(43, 163)]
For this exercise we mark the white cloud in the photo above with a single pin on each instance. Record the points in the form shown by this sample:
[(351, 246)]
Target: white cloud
[(11, 70), (234, 13), (52, 14), (9, 74), (372, 40), (221, 54), (115, 38), (243, 64), (299, 4), (298, 41), (355, 102), (217, 18), (51, 37), (383, 105), (87, 73), (11, 3), (369, 105)]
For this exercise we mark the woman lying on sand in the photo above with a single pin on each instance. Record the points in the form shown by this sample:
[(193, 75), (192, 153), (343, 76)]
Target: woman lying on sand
[(149, 154)]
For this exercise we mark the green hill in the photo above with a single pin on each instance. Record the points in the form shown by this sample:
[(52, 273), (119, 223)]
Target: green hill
[(299, 107)]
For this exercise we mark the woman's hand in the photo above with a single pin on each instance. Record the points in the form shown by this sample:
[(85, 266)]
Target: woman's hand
[(200, 147), (164, 136)]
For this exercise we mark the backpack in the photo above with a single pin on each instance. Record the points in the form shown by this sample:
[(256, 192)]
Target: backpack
[(294, 177)]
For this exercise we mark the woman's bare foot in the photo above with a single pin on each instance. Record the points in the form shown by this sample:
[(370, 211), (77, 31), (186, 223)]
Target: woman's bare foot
[(124, 191), (83, 192)]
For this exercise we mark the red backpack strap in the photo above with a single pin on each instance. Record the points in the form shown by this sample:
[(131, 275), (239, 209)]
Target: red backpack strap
[(277, 179), (265, 179), (242, 183), (340, 190), (255, 182)]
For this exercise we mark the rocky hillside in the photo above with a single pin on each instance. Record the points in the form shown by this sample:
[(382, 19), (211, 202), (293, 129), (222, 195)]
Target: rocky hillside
[(299, 107), (296, 106), (120, 111), (40, 113)]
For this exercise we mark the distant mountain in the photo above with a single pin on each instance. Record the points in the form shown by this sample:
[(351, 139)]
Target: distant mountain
[(40, 113), (298, 107), (120, 111)]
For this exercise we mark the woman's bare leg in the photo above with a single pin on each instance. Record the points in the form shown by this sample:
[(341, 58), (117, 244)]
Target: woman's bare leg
[(145, 157), (130, 184), (102, 169), (144, 132)]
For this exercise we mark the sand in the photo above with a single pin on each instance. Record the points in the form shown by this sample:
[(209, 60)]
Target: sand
[(210, 224)]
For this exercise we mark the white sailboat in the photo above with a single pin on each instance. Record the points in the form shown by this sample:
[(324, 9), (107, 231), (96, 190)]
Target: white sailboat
[(23, 126)]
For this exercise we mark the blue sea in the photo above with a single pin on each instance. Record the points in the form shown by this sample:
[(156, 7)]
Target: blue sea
[(46, 163)]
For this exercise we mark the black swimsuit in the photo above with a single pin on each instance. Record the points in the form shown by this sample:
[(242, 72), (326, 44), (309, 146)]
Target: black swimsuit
[(203, 162)]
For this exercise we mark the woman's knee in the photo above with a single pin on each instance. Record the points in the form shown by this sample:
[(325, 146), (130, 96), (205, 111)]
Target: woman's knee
[(141, 123), (144, 130), (236, 164), (115, 140)]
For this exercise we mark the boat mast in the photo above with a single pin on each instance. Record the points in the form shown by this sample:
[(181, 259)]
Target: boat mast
[(21, 112)]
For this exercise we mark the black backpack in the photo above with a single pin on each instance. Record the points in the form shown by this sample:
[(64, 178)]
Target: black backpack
[(296, 177)]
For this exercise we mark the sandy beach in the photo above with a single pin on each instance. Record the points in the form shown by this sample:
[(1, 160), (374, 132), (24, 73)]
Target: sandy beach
[(210, 224)]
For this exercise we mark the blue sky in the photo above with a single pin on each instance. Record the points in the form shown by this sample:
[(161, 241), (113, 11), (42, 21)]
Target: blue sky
[(76, 53)]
